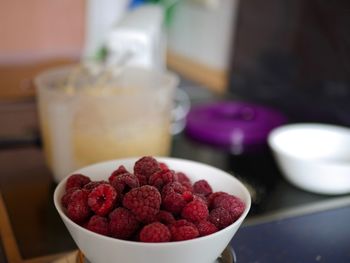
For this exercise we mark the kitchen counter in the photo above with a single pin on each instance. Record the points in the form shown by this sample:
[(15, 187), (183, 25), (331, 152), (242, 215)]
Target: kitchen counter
[(313, 233), (27, 187)]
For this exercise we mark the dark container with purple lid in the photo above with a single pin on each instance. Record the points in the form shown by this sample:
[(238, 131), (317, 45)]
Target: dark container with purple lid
[(237, 127)]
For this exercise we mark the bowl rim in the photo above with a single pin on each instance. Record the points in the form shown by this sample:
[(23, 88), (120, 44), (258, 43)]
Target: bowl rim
[(64, 217)]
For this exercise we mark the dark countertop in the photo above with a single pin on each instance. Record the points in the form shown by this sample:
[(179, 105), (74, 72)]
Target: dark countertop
[(313, 236), (27, 186)]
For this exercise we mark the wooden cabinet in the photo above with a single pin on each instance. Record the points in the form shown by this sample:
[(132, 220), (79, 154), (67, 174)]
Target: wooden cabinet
[(16, 81)]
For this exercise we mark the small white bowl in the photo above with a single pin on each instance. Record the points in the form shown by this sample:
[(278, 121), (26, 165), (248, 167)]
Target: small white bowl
[(313, 157), (103, 249)]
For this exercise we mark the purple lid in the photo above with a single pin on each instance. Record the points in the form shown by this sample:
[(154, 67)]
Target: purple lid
[(236, 126)]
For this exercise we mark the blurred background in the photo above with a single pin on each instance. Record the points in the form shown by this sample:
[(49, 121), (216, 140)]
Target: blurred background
[(291, 54)]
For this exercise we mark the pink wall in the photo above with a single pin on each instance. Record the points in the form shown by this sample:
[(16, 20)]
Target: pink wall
[(34, 30)]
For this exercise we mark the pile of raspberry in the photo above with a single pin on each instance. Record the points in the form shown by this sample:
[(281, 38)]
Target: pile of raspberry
[(150, 204)]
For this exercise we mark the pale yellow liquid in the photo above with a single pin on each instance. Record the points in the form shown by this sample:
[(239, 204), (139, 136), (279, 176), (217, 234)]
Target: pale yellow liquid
[(95, 138), (91, 148)]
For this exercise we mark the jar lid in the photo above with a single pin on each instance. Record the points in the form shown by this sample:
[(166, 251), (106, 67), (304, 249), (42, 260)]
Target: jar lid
[(235, 126)]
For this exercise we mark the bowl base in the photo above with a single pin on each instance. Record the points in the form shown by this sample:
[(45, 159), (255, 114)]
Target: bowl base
[(227, 256)]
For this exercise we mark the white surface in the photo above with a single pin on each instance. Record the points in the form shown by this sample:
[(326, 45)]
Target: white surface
[(314, 157), (204, 35), (138, 38), (102, 249), (100, 17)]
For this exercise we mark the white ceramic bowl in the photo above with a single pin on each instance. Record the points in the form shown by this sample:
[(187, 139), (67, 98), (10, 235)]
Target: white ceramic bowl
[(103, 249), (313, 157)]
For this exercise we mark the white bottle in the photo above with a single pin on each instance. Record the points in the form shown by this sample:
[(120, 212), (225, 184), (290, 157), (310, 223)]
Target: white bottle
[(138, 39), (101, 15)]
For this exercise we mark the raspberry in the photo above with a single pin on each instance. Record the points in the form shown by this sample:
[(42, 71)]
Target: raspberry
[(165, 217), (155, 232), (152, 204), (66, 197), (173, 202), (195, 211), (187, 185), (121, 170), (188, 196), (220, 217), (124, 182), (144, 202), (212, 197), (181, 177), (77, 180), (163, 166), (102, 199), (184, 180), (122, 223), (206, 228), (98, 224), (161, 178), (175, 197), (88, 187), (200, 198), (231, 203), (182, 222), (173, 187), (78, 209), (146, 166), (183, 230), (142, 179), (202, 187), (217, 200)]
